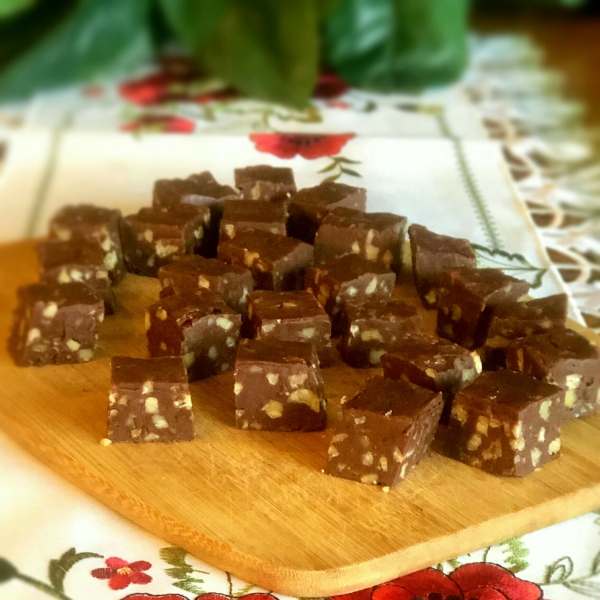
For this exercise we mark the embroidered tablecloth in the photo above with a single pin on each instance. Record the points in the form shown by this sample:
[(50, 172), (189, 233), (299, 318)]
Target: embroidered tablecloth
[(487, 159)]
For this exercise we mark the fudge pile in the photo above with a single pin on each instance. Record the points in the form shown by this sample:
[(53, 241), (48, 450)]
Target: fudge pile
[(261, 278)]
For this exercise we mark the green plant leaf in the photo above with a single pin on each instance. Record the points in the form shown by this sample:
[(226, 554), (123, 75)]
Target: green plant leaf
[(398, 44), (351, 172), (57, 569), (559, 571), (268, 49), (194, 22), (511, 264), (517, 554), (9, 8), (190, 584), (94, 38)]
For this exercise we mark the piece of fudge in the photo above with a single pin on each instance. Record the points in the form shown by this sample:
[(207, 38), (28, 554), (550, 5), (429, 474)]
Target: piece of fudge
[(278, 386), (92, 223), (55, 324), (156, 236), (515, 320), (309, 206), (379, 237), (77, 260), (242, 215), (276, 262), (372, 328), (506, 423), (435, 364), (149, 400), (199, 189), (350, 277), (561, 357), (467, 297), (200, 328), (293, 317), (431, 254), (263, 182), (192, 273), (385, 431)]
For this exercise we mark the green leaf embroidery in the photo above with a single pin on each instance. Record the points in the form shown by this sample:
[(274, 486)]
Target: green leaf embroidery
[(245, 590), (513, 264), (584, 587), (57, 569), (351, 172), (331, 178), (517, 554), (559, 571), (328, 168), (595, 567), (181, 570), (342, 159)]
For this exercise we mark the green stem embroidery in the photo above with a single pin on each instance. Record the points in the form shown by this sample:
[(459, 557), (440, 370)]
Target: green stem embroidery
[(337, 165), (43, 587), (469, 183), (230, 583)]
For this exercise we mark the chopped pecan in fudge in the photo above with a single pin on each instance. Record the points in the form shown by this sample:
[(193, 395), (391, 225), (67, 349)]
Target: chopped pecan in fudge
[(242, 215), (199, 190), (385, 431), (193, 273), (431, 254), (378, 237), (92, 223), (515, 320), (435, 364), (200, 328), (373, 328), (309, 206), (291, 316), (157, 236), (506, 423), (263, 182), (349, 277), (467, 297), (55, 324), (564, 358), (149, 401), (77, 260), (276, 262), (278, 386)]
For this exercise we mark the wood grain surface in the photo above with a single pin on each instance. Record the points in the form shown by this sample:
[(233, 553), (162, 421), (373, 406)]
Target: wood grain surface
[(256, 503)]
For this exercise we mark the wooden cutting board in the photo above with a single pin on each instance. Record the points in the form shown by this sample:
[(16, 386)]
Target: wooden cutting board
[(256, 503)]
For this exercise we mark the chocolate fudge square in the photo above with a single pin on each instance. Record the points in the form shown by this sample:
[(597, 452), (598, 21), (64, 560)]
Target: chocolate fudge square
[(199, 189), (242, 215), (435, 364), (149, 401), (373, 328), (92, 223), (350, 277), (515, 320), (564, 358), (201, 329), (78, 260), (193, 273), (467, 297), (293, 317), (155, 237), (55, 324), (431, 254), (263, 182), (385, 431), (278, 386), (276, 262), (378, 237), (506, 423), (309, 206)]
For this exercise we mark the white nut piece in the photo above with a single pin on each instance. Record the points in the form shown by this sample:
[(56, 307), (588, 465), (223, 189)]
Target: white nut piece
[(274, 409), (237, 388), (212, 352), (370, 289), (33, 335), (163, 249), (203, 282), (273, 378), (308, 332), (554, 446), (383, 464), (339, 437), (110, 260), (73, 345), (371, 478), (149, 235), (230, 342), (188, 359), (375, 356), (151, 437), (359, 420), (367, 459), (50, 310), (545, 409), (295, 381), (147, 387), (536, 454), (355, 247), (482, 424), (371, 334), (474, 442), (161, 314), (159, 422), (332, 451), (308, 397), (224, 323), (85, 355), (267, 327), (151, 405)]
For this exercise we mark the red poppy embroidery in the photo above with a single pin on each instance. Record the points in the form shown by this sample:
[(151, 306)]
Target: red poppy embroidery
[(307, 145), (160, 123), (121, 573), (477, 581), (329, 86)]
